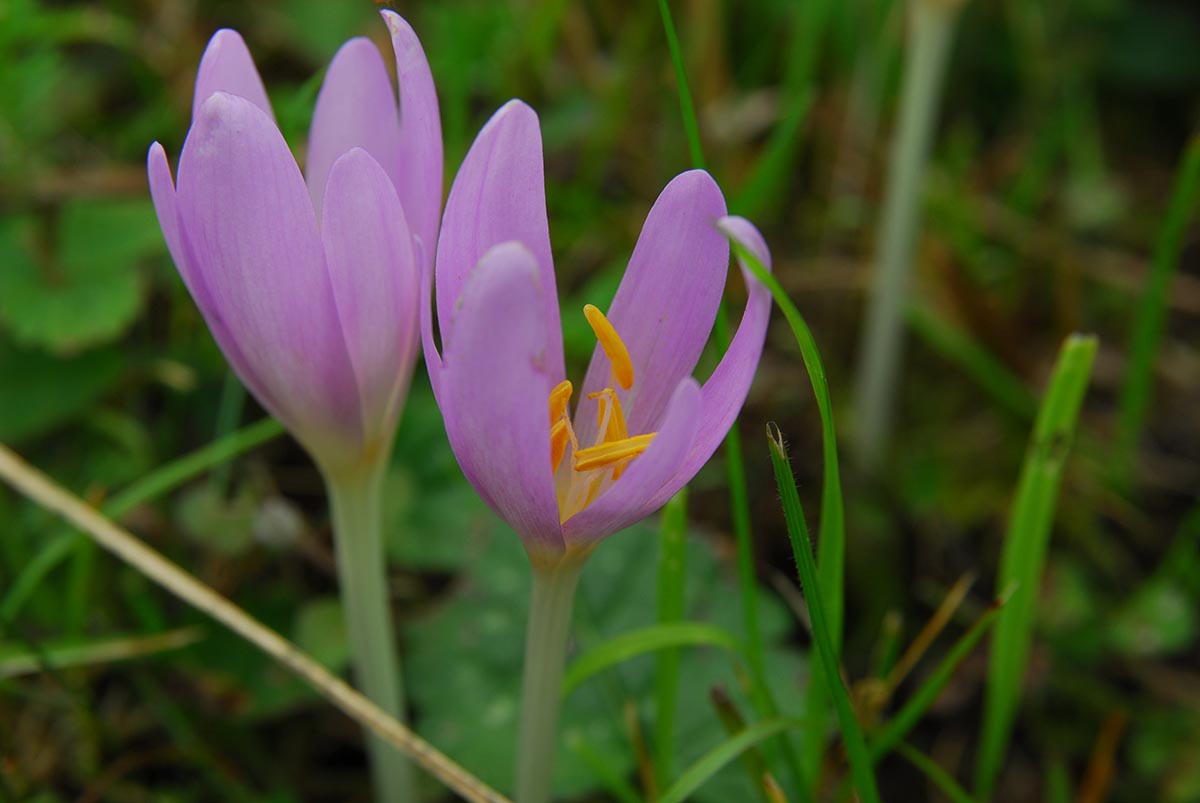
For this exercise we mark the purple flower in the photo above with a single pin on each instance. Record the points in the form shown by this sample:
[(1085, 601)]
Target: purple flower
[(642, 425), (309, 283)]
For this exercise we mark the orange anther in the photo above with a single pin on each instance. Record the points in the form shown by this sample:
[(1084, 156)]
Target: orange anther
[(614, 347), (605, 455)]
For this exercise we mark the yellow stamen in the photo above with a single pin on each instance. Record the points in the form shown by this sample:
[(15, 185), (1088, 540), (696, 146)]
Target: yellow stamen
[(560, 436), (558, 400), (610, 421), (610, 341), (609, 454)]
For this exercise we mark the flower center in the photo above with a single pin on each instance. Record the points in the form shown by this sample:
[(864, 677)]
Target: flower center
[(613, 449)]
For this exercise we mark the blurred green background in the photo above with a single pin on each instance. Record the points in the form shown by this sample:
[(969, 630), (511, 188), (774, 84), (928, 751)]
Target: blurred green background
[(1054, 157)]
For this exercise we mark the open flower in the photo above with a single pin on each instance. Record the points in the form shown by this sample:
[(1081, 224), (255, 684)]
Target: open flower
[(642, 426), (309, 282)]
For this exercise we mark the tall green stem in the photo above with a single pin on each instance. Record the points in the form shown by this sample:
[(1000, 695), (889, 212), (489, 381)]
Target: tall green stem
[(932, 29), (541, 687), (362, 575)]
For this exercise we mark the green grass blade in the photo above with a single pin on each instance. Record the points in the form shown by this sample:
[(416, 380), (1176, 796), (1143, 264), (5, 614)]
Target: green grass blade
[(687, 107), (735, 467), (611, 778), (856, 746), (941, 779), (16, 660), (976, 361), (1150, 320), (155, 484), (774, 169), (832, 529), (716, 759), (645, 640), (1024, 552), (920, 701), (672, 572)]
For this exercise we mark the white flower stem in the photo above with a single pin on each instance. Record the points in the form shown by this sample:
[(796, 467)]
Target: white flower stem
[(545, 656), (931, 32), (362, 576)]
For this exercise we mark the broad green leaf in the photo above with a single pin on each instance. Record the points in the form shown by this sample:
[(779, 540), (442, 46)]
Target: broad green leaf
[(73, 281)]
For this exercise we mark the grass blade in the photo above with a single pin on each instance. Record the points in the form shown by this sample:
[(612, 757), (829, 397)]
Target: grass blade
[(932, 24), (1150, 320), (975, 361), (1024, 552), (717, 758), (931, 770), (687, 107), (40, 489), (856, 746), (672, 572), (647, 639), (161, 481), (923, 698), (734, 723), (735, 467), (832, 528), (16, 661)]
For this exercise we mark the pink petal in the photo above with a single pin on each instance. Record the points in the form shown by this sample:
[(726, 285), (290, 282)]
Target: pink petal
[(166, 207), (420, 144), (374, 275), (356, 108), (227, 66), (667, 302), (494, 392), (725, 391), (499, 195), (253, 234)]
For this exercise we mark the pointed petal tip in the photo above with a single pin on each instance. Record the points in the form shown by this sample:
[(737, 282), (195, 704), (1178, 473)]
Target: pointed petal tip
[(224, 37), (516, 109), (747, 234), (357, 46), (395, 23)]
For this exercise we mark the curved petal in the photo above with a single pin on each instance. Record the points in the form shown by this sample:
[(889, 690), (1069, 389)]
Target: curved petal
[(494, 391), (725, 391), (356, 108), (499, 195), (373, 271), (667, 302), (420, 146), (227, 66), (633, 497), (166, 207), (253, 234)]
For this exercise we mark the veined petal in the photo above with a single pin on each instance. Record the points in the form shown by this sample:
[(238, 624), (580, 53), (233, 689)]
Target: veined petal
[(374, 275), (356, 108), (634, 496), (725, 391), (420, 146), (166, 207), (498, 196), (667, 302), (253, 234), (227, 66), (494, 386)]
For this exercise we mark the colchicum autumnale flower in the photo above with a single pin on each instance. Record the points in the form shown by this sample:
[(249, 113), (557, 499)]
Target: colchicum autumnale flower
[(642, 425), (309, 282)]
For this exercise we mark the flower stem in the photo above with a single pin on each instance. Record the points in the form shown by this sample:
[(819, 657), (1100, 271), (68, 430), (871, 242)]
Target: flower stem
[(545, 656), (362, 576)]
